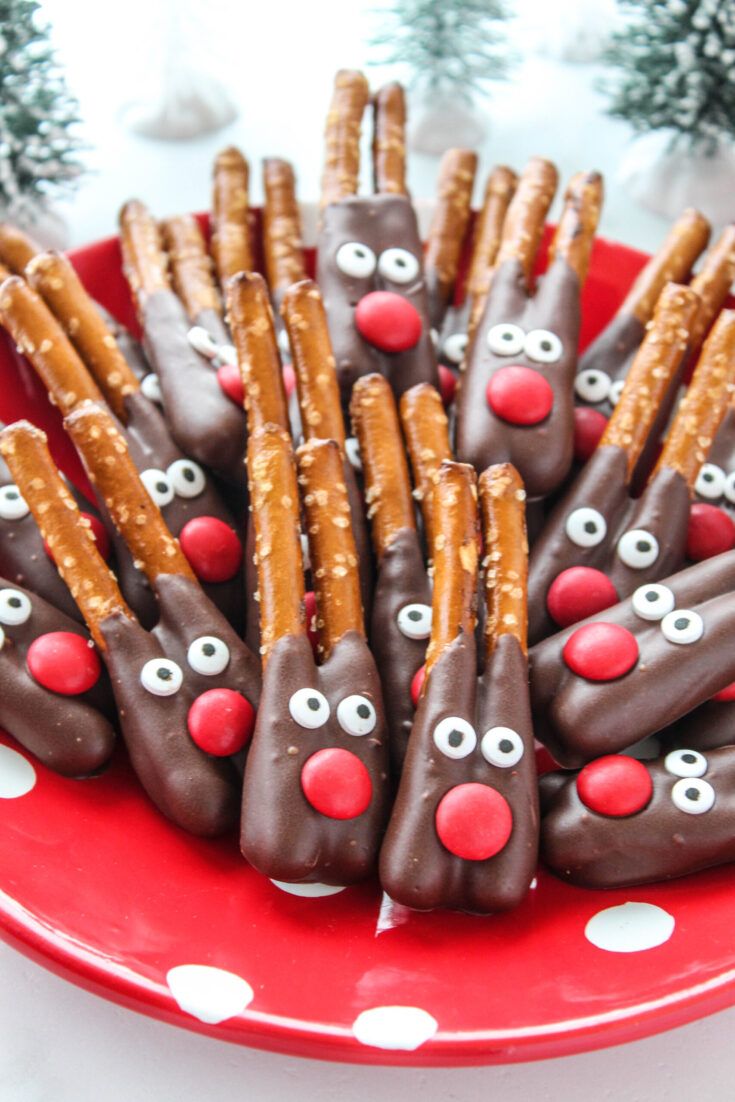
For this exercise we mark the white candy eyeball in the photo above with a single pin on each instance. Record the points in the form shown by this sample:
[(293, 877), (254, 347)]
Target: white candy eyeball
[(506, 339), (730, 487), (653, 601), (283, 343), (398, 266), (592, 385), (685, 763), (15, 607), (13, 506), (693, 795), (2, 638), (414, 621), (309, 708), (356, 715), (616, 389), (455, 737), (161, 676), (151, 388), (305, 552), (352, 451), (638, 549), (682, 626), (543, 347), (356, 260), (201, 341), (586, 527), (710, 481), (502, 746), (158, 485), (208, 655), (455, 348), (187, 478)]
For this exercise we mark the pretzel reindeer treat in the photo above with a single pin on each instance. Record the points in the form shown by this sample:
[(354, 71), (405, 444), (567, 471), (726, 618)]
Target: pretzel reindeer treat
[(712, 520), (193, 281), (282, 246), (448, 229), (315, 792), (231, 245), (516, 397), (464, 829)]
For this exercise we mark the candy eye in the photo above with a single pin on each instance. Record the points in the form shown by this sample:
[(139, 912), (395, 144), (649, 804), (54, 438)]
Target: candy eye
[(13, 505), (356, 715), (693, 795), (15, 608), (710, 482), (455, 737), (543, 347), (356, 260), (456, 346), (506, 339), (653, 602), (616, 389), (226, 354), (502, 746), (309, 708), (352, 451), (283, 343), (158, 485), (398, 266), (187, 478), (638, 549), (586, 527), (592, 385), (730, 487), (208, 655), (682, 626), (201, 341), (161, 676), (685, 763), (414, 621), (151, 388)]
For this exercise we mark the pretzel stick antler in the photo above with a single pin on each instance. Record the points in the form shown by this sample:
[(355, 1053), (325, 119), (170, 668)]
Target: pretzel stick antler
[(426, 429), (342, 136), (499, 190), (314, 365), (503, 517), (144, 262), (575, 232), (282, 246), (712, 283), (191, 267), (526, 215), (451, 217), (231, 247), (68, 535), (17, 249), (251, 323), (671, 264), (389, 140)]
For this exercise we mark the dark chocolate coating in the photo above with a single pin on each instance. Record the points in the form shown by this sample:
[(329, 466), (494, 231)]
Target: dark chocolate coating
[(215, 326), (415, 868), (706, 728), (722, 455), (381, 222), (542, 453), (611, 354), (579, 719), (456, 321), (72, 735), (282, 835), (658, 843)]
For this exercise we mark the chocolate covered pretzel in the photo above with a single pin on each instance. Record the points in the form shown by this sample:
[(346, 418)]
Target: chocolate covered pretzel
[(448, 229), (283, 248), (231, 244), (712, 518)]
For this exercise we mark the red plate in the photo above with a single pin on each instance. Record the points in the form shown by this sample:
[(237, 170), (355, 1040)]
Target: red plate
[(101, 889)]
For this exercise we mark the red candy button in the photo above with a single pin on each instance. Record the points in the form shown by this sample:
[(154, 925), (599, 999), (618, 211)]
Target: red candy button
[(577, 593), (64, 663), (388, 321), (589, 425), (336, 783), (221, 721), (417, 684), (212, 548), (447, 384), (601, 652), (615, 785), (520, 395), (100, 537), (473, 821), (289, 379), (230, 379), (726, 695), (711, 531), (310, 614)]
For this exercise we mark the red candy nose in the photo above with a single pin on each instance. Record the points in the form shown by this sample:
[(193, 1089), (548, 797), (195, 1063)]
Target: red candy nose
[(520, 395), (417, 684), (447, 384), (615, 785), (473, 821), (212, 548), (221, 721), (601, 652), (589, 425), (289, 379), (711, 531), (577, 593), (63, 662), (726, 695), (230, 379), (388, 321), (336, 784)]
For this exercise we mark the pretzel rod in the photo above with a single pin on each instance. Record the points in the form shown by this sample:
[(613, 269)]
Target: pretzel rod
[(503, 519), (104, 452), (385, 470), (54, 278), (342, 136), (331, 542), (705, 403), (526, 215), (575, 232), (230, 244), (251, 323), (274, 501), (451, 217), (455, 558), (191, 267), (5, 273), (40, 337), (282, 246), (144, 261), (67, 533), (671, 264), (426, 429), (314, 364), (655, 365), (712, 283), (499, 190), (17, 249), (389, 140)]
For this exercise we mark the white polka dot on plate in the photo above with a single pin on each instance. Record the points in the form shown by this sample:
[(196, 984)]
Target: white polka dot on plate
[(17, 775), (210, 994), (630, 928), (394, 1027), (308, 891)]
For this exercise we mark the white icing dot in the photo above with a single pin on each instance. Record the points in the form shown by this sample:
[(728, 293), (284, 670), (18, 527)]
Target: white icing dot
[(308, 891), (17, 775), (151, 388), (210, 994), (403, 1028), (630, 928)]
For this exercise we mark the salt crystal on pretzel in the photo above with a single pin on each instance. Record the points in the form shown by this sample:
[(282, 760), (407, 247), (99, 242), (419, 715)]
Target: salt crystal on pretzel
[(426, 429), (389, 140), (231, 247), (342, 136), (448, 228), (282, 245)]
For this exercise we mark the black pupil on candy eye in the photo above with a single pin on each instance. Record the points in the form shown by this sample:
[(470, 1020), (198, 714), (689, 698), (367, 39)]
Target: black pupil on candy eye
[(363, 711), (414, 615), (359, 252), (163, 673), (505, 746), (161, 487), (12, 495), (590, 526), (312, 704), (688, 758), (455, 738), (681, 623), (708, 477), (507, 336), (208, 649), (400, 262), (188, 474), (692, 794), (14, 602), (652, 596), (546, 346), (643, 545)]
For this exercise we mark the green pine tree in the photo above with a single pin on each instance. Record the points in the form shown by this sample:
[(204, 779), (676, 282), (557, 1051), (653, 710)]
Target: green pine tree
[(676, 62)]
